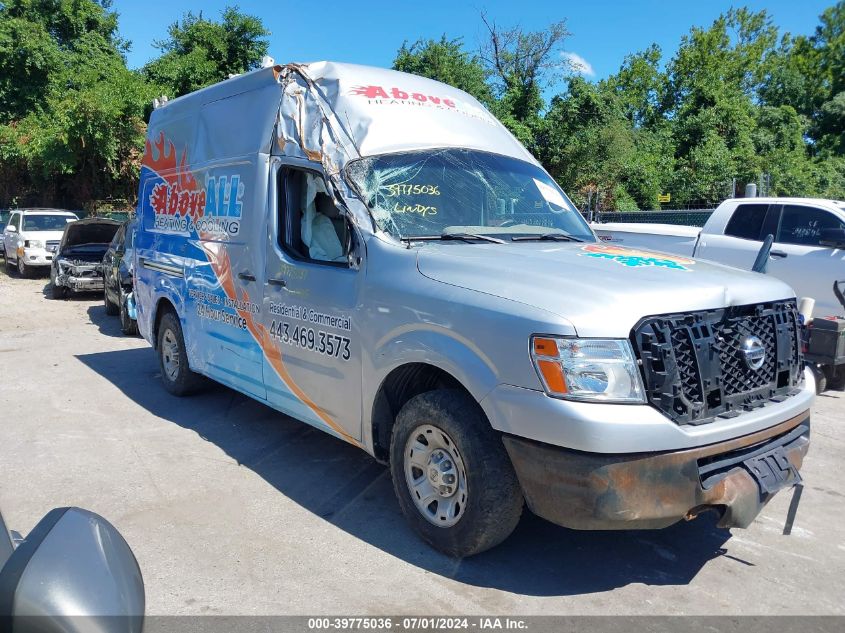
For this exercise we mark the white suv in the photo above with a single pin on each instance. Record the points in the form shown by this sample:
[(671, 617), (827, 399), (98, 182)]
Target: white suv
[(32, 236)]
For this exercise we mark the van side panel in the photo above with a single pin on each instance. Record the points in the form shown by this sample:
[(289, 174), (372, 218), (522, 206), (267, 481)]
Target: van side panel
[(202, 235)]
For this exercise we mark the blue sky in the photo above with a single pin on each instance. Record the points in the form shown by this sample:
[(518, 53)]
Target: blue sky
[(370, 32)]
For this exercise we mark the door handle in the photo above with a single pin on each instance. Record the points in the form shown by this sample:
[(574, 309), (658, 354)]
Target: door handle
[(277, 282), (778, 254), (246, 276)]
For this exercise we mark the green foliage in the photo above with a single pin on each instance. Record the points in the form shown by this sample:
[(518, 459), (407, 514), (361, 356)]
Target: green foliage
[(72, 115), (445, 60), (200, 52), (736, 100)]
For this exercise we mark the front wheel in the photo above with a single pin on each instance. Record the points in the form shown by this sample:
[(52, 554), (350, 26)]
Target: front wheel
[(821, 378), (58, 292), (23, 269), (177, 377), (452, 475)]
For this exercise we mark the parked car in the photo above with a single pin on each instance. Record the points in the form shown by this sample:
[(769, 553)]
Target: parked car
[(808, 252), (373, 253), (78, 263), (73, 572), (31, 237), (4, 220), (117, 278)]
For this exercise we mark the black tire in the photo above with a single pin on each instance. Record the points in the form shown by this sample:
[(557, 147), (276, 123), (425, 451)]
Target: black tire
[(111, 308), (821, 379), (494, 498), (127, 325), (23, 270), (57, 292), (836, 378), (184, 381)]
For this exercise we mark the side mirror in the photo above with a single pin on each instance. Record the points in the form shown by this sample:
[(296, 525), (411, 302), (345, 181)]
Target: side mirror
[(73, 563), (835, 238), (761, 264), (11, 228)]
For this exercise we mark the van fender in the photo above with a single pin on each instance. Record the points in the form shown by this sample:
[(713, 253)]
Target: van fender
[(166, 291), (439, 347)]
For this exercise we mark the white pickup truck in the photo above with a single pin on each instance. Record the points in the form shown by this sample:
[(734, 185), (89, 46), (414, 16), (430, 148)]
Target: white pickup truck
[(808, 252)]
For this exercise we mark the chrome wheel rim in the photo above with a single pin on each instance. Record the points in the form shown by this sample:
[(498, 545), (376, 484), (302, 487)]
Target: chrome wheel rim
[(435, 475), (170, 355)]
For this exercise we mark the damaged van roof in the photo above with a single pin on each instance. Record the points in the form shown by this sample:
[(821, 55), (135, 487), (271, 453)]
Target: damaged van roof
[(389, 111), (331, 113)]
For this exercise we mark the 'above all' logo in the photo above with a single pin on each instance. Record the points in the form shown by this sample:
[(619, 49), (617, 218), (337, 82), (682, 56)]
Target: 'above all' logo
[(397, 94), (181, 204)]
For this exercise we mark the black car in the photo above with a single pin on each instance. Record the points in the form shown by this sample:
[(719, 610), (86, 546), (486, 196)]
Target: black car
[(117, 277), (77, 264)]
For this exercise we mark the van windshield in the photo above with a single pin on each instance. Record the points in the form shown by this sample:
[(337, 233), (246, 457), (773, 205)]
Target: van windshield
[(46, 222), (459, 191)]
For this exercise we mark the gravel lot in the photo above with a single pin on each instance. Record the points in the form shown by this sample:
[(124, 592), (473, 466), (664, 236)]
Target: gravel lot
[(232, 508)]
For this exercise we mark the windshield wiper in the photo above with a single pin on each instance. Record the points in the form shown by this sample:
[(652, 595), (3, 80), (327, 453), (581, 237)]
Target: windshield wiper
[(465, 237), (552, 237)]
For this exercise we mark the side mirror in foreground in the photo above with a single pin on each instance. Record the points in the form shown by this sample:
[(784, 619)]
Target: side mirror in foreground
[(73, 572)]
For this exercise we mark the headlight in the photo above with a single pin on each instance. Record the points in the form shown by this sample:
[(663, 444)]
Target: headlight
[(602, 370), (33, 244)]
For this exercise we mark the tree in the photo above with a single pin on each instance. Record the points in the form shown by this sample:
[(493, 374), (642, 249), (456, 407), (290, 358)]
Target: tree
[(640, 86), (521, 63), (199, 52), (71, 114), (446, 60)]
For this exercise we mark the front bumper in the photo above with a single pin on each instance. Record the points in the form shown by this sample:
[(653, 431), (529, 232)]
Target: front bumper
[(37, 257), (590, 491), (593, 427), (83, 284)]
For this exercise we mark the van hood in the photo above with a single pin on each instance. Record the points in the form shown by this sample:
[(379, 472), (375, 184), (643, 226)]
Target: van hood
[(603, 290)]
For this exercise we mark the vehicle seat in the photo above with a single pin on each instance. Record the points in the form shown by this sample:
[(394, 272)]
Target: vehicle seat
[(323, 230)]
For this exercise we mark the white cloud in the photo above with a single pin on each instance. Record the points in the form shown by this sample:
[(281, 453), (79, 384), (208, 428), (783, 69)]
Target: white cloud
[(579, 64)]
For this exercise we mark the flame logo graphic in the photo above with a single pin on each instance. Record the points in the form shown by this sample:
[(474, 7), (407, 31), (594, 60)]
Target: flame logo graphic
[(161, 157)]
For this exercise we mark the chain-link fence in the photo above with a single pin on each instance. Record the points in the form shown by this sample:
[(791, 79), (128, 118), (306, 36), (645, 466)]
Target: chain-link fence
[(689, 217)]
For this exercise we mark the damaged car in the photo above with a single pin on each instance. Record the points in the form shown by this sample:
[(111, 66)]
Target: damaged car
[(77, 265), (118, 295)]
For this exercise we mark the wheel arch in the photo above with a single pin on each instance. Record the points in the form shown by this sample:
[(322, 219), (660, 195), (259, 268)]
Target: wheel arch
[(398, 387), (162, 307), (415, 361)]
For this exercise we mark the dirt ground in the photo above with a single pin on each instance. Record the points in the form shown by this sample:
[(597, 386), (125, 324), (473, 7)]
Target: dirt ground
[(232, 508)]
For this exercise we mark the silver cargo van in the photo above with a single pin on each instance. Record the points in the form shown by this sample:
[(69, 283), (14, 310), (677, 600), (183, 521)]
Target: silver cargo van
[(374, 254)]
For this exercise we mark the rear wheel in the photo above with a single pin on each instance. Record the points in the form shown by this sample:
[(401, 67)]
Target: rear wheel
[(111, 308), (177, 377), (127, 324), (452, 475)]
